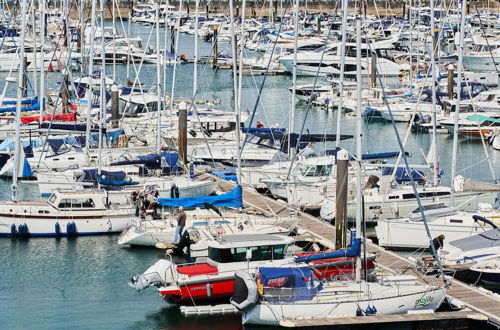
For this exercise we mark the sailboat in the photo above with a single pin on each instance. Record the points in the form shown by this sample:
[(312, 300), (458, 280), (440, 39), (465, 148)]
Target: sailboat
[(289, 292)]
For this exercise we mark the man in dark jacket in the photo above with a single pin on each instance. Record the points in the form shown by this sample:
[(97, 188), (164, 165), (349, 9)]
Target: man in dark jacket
[(438, 242)]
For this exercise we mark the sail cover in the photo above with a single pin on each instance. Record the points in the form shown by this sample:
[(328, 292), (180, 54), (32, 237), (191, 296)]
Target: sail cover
[(232, 198), (469, 185)]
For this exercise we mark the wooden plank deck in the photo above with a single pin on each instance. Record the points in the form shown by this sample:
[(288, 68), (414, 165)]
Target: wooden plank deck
[(379, 319), (478, 301)]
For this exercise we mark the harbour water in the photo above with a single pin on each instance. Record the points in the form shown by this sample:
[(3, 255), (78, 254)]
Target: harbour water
[(81, 283)]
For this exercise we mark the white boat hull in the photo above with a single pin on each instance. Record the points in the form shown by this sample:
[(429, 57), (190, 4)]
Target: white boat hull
[(84, 226), (393, 303)]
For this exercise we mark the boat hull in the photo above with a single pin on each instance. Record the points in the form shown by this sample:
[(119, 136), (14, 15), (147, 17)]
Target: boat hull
[(47, 227), (273, 314)]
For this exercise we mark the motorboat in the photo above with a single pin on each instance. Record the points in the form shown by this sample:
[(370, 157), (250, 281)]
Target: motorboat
[(474, 259), (213, 279), (199, 225)]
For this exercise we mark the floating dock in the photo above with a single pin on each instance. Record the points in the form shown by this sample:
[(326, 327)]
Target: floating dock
[(481, 304)]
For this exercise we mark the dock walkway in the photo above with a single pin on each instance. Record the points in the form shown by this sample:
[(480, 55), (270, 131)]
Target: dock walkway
[(476, 299)]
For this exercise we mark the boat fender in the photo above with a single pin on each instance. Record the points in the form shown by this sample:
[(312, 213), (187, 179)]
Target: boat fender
[(71, 229), (374, 310), (57, 229), (359, 312), (209, 290), (110, 226), (245, 293), (369, 310), (24, 232), (13, 231)]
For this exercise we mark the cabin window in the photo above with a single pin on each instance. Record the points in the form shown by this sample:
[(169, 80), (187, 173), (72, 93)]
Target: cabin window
[(81, 203), (52, 199), (456, 221), (427, 194), (239, 254)]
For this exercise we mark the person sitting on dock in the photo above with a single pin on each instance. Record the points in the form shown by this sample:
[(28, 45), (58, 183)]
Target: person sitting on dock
[(438, 242), (181, 222)]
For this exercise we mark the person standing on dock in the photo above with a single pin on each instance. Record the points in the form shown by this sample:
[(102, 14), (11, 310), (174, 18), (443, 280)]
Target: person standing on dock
[(181, 222)]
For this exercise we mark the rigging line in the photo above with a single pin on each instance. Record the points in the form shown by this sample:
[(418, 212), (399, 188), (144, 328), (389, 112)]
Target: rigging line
[(308, 107), (485, 37), (265, 77), (408, 169)]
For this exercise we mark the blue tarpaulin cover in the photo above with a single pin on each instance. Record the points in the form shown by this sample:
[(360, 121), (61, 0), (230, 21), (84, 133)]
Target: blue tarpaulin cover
[(91, 175), (232, 198), (291, 283), (402, 175), (110, 182)]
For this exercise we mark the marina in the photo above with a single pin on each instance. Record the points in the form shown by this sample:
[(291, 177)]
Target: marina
[(249, 164)]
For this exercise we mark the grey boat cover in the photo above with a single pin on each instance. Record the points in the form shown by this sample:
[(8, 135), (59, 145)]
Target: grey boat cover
[(469, 185), (487, 239)]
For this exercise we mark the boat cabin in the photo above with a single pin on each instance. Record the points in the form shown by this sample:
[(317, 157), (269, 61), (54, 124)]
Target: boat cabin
[(251, 247), (133, 105), (79, 200)]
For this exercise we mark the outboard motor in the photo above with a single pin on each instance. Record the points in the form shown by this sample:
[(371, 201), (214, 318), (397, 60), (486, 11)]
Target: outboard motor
[(184, 241), (160, 273)]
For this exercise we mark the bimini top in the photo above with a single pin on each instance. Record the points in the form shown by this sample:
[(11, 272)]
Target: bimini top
[(248, 240)]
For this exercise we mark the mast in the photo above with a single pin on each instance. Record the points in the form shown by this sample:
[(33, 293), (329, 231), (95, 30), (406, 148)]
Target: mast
[(102, 96), (158, 80), (457, 103), (237, 109), (433, 79), (35, 62), (359, 196), (291, 150), (113, 18), (345, 11), (20, 88), (177, 25), (128, 51), (91, 79), (42, 59), (196, 35)]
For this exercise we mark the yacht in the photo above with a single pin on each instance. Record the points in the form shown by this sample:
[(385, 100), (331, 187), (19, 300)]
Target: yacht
[(65, 213)]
